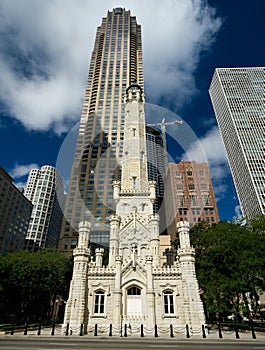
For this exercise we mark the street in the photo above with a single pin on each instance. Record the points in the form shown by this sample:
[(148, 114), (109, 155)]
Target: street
[(61, 343)]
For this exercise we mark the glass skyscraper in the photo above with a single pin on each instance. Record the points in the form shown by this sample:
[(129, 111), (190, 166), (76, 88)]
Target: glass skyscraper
[(116, 62), (238, 98)]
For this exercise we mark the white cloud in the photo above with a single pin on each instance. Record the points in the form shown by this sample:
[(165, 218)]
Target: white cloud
[(45, 53), (183, 29), (238, 212), (212, 145), (20, 184), (21, 170)]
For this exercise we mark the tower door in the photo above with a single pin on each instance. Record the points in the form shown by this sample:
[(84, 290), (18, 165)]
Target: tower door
[(134, 302)]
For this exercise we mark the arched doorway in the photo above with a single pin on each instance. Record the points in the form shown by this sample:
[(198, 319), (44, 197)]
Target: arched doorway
[(134, 302)]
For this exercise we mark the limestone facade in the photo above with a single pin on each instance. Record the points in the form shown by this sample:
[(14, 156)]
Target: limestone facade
[(136, 288)]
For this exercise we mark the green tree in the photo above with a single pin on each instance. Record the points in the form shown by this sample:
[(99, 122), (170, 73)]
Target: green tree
[(31, 282), (230, 264)]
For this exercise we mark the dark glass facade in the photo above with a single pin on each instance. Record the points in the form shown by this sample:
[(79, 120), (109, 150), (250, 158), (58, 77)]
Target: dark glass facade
[(116, 62)]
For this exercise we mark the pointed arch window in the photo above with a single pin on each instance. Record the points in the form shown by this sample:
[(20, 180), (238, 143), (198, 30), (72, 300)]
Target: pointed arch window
[(168, 302), (134, 291), (99, 307)]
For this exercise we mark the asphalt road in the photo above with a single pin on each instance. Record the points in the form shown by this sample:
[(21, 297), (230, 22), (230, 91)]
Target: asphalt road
[(42, 343)]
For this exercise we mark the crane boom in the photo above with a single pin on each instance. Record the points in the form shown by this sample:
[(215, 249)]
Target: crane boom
[(163, 132), (167, 123)]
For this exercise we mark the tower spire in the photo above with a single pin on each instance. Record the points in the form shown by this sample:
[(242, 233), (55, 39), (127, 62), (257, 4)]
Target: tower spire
[(134, 164)]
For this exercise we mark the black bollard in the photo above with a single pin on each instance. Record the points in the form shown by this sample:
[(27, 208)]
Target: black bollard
[(252, 330), (156, 333), (67, 329), (12, 329), (53, 328), (187, 331), (171, 331), (81, 329), (236, 331), (142, 330), (26, 329), (39, 330), (125, 330), (96, 330), (219, 330), (203, 331), (110, 330)]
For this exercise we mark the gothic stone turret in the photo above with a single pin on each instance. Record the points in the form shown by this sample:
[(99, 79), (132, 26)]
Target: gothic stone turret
[(193, 307), (76, 312)]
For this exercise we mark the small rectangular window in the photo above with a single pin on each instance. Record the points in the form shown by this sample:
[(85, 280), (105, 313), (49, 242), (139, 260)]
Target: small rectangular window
[(168, 303), (99, 303)]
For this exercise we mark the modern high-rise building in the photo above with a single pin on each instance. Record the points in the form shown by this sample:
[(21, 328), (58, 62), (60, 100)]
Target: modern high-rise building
[(116, 62), (189, 195), (15, 211), (237, 96), (45, 190)]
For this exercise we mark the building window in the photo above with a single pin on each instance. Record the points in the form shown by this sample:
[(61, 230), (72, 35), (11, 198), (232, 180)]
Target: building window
[(66, 244), (73, 244), (134, 291), (168, 303), (99, 302)]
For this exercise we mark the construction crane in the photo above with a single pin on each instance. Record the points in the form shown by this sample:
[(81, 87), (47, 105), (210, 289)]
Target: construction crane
[(162, 126)]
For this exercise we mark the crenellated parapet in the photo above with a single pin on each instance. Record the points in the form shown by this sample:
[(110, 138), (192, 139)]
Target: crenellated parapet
[(102, 271), (167, 271), (128, 192), (134, 93)]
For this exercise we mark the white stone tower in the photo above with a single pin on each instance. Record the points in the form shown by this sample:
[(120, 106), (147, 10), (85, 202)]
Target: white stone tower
[(134, 289), (76, 312), (134, 230), (192, 304), (134, 195)]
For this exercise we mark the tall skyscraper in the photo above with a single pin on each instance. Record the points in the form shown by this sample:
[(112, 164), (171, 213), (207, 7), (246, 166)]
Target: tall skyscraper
[(189, 195), (237, 96), (45, 190), (15, 211), (116, 62)]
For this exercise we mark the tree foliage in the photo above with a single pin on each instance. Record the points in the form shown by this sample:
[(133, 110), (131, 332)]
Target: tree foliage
[(30, 282), (230, 264)]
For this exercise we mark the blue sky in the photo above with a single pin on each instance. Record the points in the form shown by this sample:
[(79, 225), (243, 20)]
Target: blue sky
[(45, 50)]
